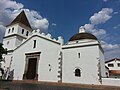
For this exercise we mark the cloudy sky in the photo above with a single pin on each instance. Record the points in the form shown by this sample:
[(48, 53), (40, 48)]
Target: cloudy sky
[(64, 17)]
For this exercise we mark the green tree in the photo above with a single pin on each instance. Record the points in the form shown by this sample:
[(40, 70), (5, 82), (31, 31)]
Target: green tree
[(2, 51)]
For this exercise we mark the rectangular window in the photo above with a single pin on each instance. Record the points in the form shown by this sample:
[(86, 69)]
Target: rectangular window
[(22, 31), (9, 31), (13, 29), (27, 33), (110, 65), (78, 55), (118, 64), (34, 44)]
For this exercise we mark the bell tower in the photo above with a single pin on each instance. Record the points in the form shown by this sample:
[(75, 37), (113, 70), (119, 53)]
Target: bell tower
[(16, 31)]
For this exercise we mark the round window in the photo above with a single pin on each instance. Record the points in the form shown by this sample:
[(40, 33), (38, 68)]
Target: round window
[(8, 42)]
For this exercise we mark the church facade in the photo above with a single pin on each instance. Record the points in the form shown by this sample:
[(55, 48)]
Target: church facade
[(32, 55)]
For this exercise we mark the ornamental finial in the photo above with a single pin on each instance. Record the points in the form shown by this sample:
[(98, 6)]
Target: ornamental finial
[(82, 29)]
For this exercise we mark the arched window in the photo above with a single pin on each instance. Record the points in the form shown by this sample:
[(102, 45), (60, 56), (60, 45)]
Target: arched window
[(77, 72)]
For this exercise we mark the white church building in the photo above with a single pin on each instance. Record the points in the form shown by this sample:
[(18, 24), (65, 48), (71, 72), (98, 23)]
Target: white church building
[(33, 55)]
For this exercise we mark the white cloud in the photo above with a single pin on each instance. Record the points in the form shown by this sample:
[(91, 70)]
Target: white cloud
[(102, 16), (36, 20), (99, 32), (105, 0), (111, 50), (88, 26), (98, 18), (9, 9), (42, 24), (116, 12), (117, 26), (54, 24), (9, 4), (107, 46), (2, 30), (115, 53), (6, 13), (6, 10)]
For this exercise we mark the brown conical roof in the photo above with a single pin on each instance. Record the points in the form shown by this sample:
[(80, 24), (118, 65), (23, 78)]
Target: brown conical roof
[(21, 18)]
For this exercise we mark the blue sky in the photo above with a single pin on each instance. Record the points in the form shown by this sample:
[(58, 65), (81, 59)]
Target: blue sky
[(69, 15), (64, 17)]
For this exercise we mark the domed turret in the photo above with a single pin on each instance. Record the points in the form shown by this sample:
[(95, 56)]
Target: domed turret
[(82, 35)]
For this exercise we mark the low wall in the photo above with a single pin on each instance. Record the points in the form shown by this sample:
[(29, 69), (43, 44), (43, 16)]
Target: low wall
[(111, 81)]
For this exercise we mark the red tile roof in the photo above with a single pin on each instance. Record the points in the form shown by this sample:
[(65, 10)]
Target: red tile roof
[(114, 72)]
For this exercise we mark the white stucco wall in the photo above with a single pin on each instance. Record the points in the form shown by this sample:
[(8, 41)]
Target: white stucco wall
[(102, 63), (10, 43), (14, 41), (49, 55), (25, 31), (18, 37), (15, 26), (7, 58), (87, 62), (111, 81), (17, 30), (18, 41)]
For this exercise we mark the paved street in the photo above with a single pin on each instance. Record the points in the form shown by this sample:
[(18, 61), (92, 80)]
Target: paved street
[(9, 85), (5, 85)]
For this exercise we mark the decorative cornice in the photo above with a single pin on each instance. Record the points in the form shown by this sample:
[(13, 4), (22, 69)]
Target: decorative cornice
[(79, 46), (14, 35)]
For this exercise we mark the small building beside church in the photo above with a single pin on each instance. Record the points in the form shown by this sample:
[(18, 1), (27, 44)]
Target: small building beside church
[(114, 67), (33, 55)]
